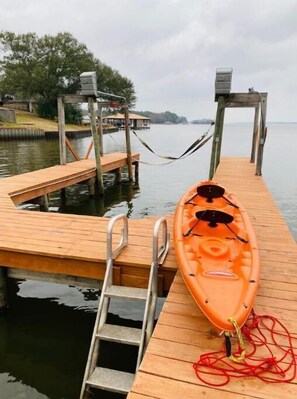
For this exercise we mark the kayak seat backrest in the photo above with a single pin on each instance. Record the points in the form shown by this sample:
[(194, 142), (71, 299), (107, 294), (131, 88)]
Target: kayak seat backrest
[(210, 191), (214, 217)]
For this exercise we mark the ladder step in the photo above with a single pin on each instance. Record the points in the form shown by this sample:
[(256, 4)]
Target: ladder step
[(120, 334), (116, 291), (111, 380)]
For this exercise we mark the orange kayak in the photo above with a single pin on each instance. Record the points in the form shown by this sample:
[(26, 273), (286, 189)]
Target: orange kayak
[(217, 254)]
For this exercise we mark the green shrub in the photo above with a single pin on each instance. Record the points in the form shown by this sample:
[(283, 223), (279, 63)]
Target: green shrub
[(47, 108)]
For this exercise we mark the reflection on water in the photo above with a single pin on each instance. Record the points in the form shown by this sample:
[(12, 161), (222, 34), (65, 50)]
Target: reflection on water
[(45, 335)]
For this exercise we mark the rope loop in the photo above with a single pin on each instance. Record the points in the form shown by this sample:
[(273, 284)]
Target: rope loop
[(276, 362)]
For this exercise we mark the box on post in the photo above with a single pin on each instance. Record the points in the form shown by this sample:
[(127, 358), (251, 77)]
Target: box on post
[(88, 81), (223, 81)]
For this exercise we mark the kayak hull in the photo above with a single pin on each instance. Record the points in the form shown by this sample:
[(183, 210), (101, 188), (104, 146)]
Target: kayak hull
[(217, 254)]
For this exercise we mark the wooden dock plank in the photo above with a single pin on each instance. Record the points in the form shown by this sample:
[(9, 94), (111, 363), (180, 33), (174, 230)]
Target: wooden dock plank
[(183, 333)]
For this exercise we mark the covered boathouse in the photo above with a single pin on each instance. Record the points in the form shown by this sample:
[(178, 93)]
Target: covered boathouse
[(135, 121)]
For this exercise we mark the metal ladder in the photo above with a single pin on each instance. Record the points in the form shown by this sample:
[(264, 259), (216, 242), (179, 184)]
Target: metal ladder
[(110, 379)]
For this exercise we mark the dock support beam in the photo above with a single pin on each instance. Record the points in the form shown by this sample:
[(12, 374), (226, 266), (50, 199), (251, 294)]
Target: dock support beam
[(217, 137), (96, 146), (3, 289)]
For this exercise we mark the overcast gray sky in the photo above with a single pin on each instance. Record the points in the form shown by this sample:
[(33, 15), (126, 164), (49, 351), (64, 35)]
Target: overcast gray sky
[(170, 49)]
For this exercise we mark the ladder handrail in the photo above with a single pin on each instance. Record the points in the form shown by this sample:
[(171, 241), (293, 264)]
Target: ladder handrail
[(158, 256), (159, 252), (103, 302), (112, 254)]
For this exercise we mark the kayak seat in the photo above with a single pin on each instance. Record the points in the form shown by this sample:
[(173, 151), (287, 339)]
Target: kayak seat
[(210, 191), (214, 217)]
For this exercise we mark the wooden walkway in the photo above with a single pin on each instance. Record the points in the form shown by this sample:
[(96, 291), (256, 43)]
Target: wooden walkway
[(53, 245), (183, 333), (67, 247)]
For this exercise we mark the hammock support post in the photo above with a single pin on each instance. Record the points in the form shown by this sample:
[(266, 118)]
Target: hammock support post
[(128, 144), (252, 99)]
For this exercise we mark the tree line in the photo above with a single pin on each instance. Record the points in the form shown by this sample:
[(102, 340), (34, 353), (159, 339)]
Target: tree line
[(41, 68), (163, 117)]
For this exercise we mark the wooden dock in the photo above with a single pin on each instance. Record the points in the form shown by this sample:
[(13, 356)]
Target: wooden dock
[(68, 248), (71, 248), (183, 333)]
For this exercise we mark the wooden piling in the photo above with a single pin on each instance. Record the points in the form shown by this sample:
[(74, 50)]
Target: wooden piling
[(96, 146), (262, 135), (63, 196), (136, 172), (43, 203), (128, 144), (118, 175), (3, 289), (62, 134), (253, 99), (255, 134), (100, 128), (217, 137), (91, 187)]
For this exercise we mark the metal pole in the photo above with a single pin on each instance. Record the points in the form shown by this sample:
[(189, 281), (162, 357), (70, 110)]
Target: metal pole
[(96, 145), (217, 137), (128, 144), (62, 134)]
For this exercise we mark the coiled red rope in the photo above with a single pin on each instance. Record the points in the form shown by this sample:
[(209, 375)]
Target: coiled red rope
[(270, 355)]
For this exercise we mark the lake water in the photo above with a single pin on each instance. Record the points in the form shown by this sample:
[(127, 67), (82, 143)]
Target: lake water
[(45, 335)]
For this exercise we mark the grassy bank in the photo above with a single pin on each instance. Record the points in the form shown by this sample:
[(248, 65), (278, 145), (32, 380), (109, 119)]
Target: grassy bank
[(27, 120)]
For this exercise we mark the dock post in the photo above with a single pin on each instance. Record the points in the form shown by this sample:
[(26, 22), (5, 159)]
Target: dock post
[(62, 134), (217, 137), (43, 203), (255, 134), (136, 172), (3, 289), (91, 187), (96, 145), (63, 196), (128, 144), (100, 127), (118, 175), (262, 135)]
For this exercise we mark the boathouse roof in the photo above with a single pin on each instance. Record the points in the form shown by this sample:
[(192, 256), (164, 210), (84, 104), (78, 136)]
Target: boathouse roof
[(122, 116)]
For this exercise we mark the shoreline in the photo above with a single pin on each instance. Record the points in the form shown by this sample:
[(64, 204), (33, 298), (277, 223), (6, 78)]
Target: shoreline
[(13, 133)]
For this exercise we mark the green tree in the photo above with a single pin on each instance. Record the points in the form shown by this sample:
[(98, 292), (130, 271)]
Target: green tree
[(41, 68)]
